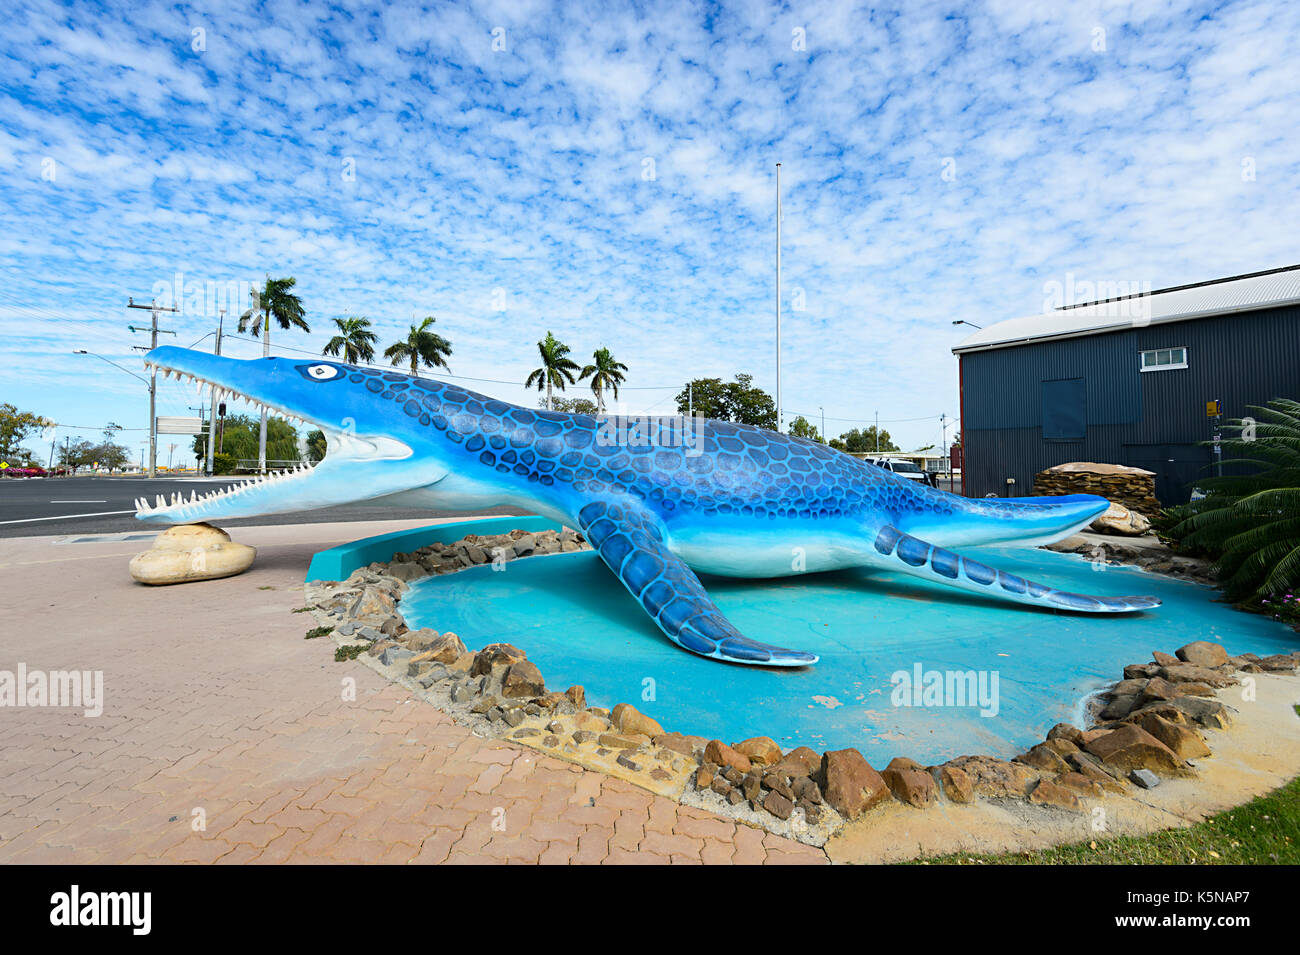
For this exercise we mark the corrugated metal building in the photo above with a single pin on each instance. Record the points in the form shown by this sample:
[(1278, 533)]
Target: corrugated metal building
[(1126, 380)]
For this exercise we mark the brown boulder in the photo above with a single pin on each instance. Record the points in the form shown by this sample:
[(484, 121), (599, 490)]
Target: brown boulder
[(523, 679), (1067, 732), (800, 761), (994, 777), (913, 786), (577, 696), (628, 720), (679, 743), (956, 784), (1048, 793), (849, 784), (719, 752), (1202, 653), (1184, 741), (1164, 659), (1080, 783), (1189, 673), (760, 749), (1043, 757), (495, 654), (1132, 747)]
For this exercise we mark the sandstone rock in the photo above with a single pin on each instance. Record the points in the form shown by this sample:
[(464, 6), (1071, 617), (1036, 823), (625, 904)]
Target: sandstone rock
[(1164, 659), (1137, 670), (1043, 757), (1067, 732), (1080, 783), (1119, 707), (722, 754), (577, 696), (912, 786), (405, 571), (1131, 747), (523, 679), (1277, 663), (188, 553), (1189, 673), (1049, 793), (628, 720), (1184, 741), (1202, 653), (495, 654), (800, 761), (849, 784), (1118, 519), (373, 604), (760, 749), (778, 783), (956, 784), (778, 805), (620, 741), (995, 777), (679, 743)]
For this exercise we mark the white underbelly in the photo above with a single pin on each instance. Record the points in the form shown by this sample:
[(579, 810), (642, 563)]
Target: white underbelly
[(769, 549)]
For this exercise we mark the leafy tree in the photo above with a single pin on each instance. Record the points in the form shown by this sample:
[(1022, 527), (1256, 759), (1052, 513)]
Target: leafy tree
[(864, 440), (735, 400), (76, 454), (801, 427), (605, 374), (275, 301), (557, 367), (15, 428), (355, 340), (223, 463), (241, 439), (572, 405), (316, 446), (422, 346), (1249, 523)]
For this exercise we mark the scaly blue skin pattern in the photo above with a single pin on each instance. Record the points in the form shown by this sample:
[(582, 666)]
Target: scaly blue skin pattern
[(659, 498)]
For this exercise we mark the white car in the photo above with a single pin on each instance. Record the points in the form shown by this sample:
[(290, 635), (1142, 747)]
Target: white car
[(904, 469)]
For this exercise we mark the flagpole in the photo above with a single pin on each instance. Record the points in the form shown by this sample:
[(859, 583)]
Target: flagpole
[(779, 408)]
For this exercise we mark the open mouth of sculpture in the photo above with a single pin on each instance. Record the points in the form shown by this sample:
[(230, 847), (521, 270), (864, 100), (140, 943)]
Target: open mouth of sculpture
[(300, 487)]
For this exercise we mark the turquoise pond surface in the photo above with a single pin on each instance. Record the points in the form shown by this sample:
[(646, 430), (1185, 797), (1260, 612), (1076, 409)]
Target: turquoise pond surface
[(579, 625)]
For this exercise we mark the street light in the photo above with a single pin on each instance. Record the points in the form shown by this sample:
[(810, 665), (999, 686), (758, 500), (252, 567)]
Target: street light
[(82, 351), (962, 321)]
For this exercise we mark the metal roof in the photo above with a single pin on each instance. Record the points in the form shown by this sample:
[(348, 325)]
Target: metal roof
[(1242, 293)]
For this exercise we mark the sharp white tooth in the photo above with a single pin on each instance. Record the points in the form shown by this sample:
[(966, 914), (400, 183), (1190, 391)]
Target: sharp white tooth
[(160, 502)]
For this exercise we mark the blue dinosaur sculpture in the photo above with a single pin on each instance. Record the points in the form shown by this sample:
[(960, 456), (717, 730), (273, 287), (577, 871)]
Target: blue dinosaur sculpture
[(659, 498)]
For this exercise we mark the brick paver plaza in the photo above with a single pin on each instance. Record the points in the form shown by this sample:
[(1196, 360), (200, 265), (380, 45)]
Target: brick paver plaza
[(226, 737)]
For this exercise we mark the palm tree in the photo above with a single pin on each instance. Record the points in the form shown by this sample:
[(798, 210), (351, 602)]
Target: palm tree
[(1250, 523), (557, 367), (422, 346), (275, 300), (355, 340), (605, 373)]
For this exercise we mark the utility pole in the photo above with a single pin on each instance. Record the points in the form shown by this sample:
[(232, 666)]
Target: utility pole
[(212, 399), (690, 398), (153, 375), (943, 430), (877, 432), (778, 298)]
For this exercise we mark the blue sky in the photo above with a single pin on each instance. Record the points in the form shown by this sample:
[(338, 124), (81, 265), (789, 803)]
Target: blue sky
[(606, 172)]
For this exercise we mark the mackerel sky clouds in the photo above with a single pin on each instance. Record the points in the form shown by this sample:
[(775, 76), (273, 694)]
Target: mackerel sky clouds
[(605, 171)]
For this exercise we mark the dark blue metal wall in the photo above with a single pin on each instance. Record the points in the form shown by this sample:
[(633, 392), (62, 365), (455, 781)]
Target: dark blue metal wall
[(1153, 419)]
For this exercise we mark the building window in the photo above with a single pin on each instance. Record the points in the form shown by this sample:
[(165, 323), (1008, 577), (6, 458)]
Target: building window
[(1164, 359)]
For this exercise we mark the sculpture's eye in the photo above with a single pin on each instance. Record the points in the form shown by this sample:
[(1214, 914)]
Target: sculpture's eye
[(323, 372)]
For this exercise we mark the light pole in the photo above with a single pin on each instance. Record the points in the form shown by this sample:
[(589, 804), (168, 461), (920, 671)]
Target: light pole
[(962, 321), (823, 411), (778, 297), (212, 399)]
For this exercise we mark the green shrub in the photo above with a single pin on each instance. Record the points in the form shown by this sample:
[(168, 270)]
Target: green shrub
[(223, 463)]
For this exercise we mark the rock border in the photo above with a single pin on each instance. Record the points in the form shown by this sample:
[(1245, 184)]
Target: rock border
[(1143, 728)]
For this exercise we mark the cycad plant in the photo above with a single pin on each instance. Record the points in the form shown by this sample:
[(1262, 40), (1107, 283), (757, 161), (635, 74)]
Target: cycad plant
[(1250, 523)]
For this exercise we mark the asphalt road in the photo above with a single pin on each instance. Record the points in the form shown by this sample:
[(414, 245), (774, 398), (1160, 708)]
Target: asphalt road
[(37, 507)]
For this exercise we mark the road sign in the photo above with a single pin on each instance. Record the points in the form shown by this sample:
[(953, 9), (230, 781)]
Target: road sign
[(1213, 408), (179, 425)]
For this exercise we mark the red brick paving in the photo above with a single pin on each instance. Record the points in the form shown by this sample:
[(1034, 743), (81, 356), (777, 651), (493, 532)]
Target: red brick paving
[(226, 737)]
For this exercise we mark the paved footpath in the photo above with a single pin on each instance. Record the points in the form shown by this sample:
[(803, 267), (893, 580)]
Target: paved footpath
[(226, 737)]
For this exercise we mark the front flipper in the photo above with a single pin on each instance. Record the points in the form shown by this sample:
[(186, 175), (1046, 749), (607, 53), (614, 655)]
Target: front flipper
[(631, 542), (898, 551)]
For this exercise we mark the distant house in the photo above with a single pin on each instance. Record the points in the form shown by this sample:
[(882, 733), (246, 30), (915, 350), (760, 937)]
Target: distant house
[(1126, 381)]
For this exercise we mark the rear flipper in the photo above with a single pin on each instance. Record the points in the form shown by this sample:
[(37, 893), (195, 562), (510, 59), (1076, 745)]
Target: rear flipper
[(631, 543), (912, 555)]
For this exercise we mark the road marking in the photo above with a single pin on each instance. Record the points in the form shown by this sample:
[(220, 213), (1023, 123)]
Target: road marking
[(65, 517), (78, 502)]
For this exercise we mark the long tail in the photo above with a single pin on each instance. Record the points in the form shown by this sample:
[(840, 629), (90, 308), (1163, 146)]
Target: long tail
[(1026, 521), (919, 558)]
